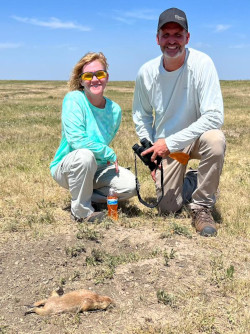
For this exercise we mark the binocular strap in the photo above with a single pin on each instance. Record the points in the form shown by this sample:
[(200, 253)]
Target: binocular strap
[(149, 205)]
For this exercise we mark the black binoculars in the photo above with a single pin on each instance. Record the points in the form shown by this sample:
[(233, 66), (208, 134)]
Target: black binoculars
[(146, 158)]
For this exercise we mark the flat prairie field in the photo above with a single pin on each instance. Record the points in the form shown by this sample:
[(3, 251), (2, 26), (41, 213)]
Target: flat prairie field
[(163, 277)]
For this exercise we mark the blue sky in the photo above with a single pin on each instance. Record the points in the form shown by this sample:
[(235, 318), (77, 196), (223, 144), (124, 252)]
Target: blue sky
[(43, 40)]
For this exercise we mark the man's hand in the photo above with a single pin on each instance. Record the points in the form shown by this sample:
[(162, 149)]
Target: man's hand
[(153, 175), (159, 148)]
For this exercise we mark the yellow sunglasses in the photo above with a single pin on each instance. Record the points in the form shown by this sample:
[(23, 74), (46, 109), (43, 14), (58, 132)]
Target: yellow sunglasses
[(89, 75)]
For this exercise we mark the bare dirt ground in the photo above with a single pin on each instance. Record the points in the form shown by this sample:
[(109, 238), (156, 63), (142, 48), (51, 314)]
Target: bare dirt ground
[(164, 278), (187, 267)]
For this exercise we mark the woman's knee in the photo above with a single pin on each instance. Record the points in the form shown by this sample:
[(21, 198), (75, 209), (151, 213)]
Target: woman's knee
[(130, 182), (125, 184), (84, 158)]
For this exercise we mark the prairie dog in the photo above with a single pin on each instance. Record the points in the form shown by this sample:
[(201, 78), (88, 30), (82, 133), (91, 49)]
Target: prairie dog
[(74, 301)]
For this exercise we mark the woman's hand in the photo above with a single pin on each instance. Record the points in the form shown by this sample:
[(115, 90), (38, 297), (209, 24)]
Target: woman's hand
[(116, 166)]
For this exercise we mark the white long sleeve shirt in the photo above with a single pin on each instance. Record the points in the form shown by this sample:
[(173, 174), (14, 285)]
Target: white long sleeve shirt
[(180, 105)]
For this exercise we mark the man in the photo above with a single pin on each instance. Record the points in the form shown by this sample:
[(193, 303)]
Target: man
[(182, 88)]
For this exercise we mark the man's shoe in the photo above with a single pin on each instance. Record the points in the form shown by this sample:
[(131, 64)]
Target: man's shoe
[(94, 217), (203, 222)]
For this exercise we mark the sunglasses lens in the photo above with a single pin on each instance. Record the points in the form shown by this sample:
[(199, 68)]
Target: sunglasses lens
[(87, 76), (101, 74)]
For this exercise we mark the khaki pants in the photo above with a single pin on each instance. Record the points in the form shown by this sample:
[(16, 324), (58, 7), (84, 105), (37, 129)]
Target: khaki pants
[(88, 182), (198, 187)]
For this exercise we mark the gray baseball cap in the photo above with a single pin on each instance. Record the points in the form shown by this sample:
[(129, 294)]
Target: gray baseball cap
[(173, 15)]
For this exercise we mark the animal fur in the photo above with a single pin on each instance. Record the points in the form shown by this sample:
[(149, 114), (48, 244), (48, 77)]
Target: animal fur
[(74, 301)]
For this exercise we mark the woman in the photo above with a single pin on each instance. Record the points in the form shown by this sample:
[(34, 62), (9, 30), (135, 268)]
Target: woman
[(84, 163)]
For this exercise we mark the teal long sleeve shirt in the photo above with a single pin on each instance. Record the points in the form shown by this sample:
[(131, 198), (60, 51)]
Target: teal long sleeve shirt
[(86, 126)]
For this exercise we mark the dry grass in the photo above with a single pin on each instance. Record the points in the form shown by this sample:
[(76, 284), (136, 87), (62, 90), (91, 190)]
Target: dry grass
[(211, 297)]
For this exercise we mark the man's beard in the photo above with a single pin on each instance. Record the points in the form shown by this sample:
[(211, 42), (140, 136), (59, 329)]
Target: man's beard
[(177, 54)]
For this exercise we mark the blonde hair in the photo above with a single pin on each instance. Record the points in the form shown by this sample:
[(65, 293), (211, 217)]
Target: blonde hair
[(74, 82)]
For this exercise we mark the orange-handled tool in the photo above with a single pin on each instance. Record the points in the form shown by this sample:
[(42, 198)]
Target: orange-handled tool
[(180, 156)]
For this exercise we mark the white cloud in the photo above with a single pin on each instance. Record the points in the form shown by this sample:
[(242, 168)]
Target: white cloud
[(52, 23), (241, 36), (131, 16), (67, 47), (73, 48), (142, 15), (240, 46), (222, 27), (10, 45), (201, 45), (123, 20)]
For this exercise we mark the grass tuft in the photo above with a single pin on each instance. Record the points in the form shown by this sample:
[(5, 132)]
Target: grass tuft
[(176, 228), (166, 298)]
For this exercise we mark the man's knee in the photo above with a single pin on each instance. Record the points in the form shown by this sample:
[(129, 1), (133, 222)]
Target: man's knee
[(214, 141), (171, 202)]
